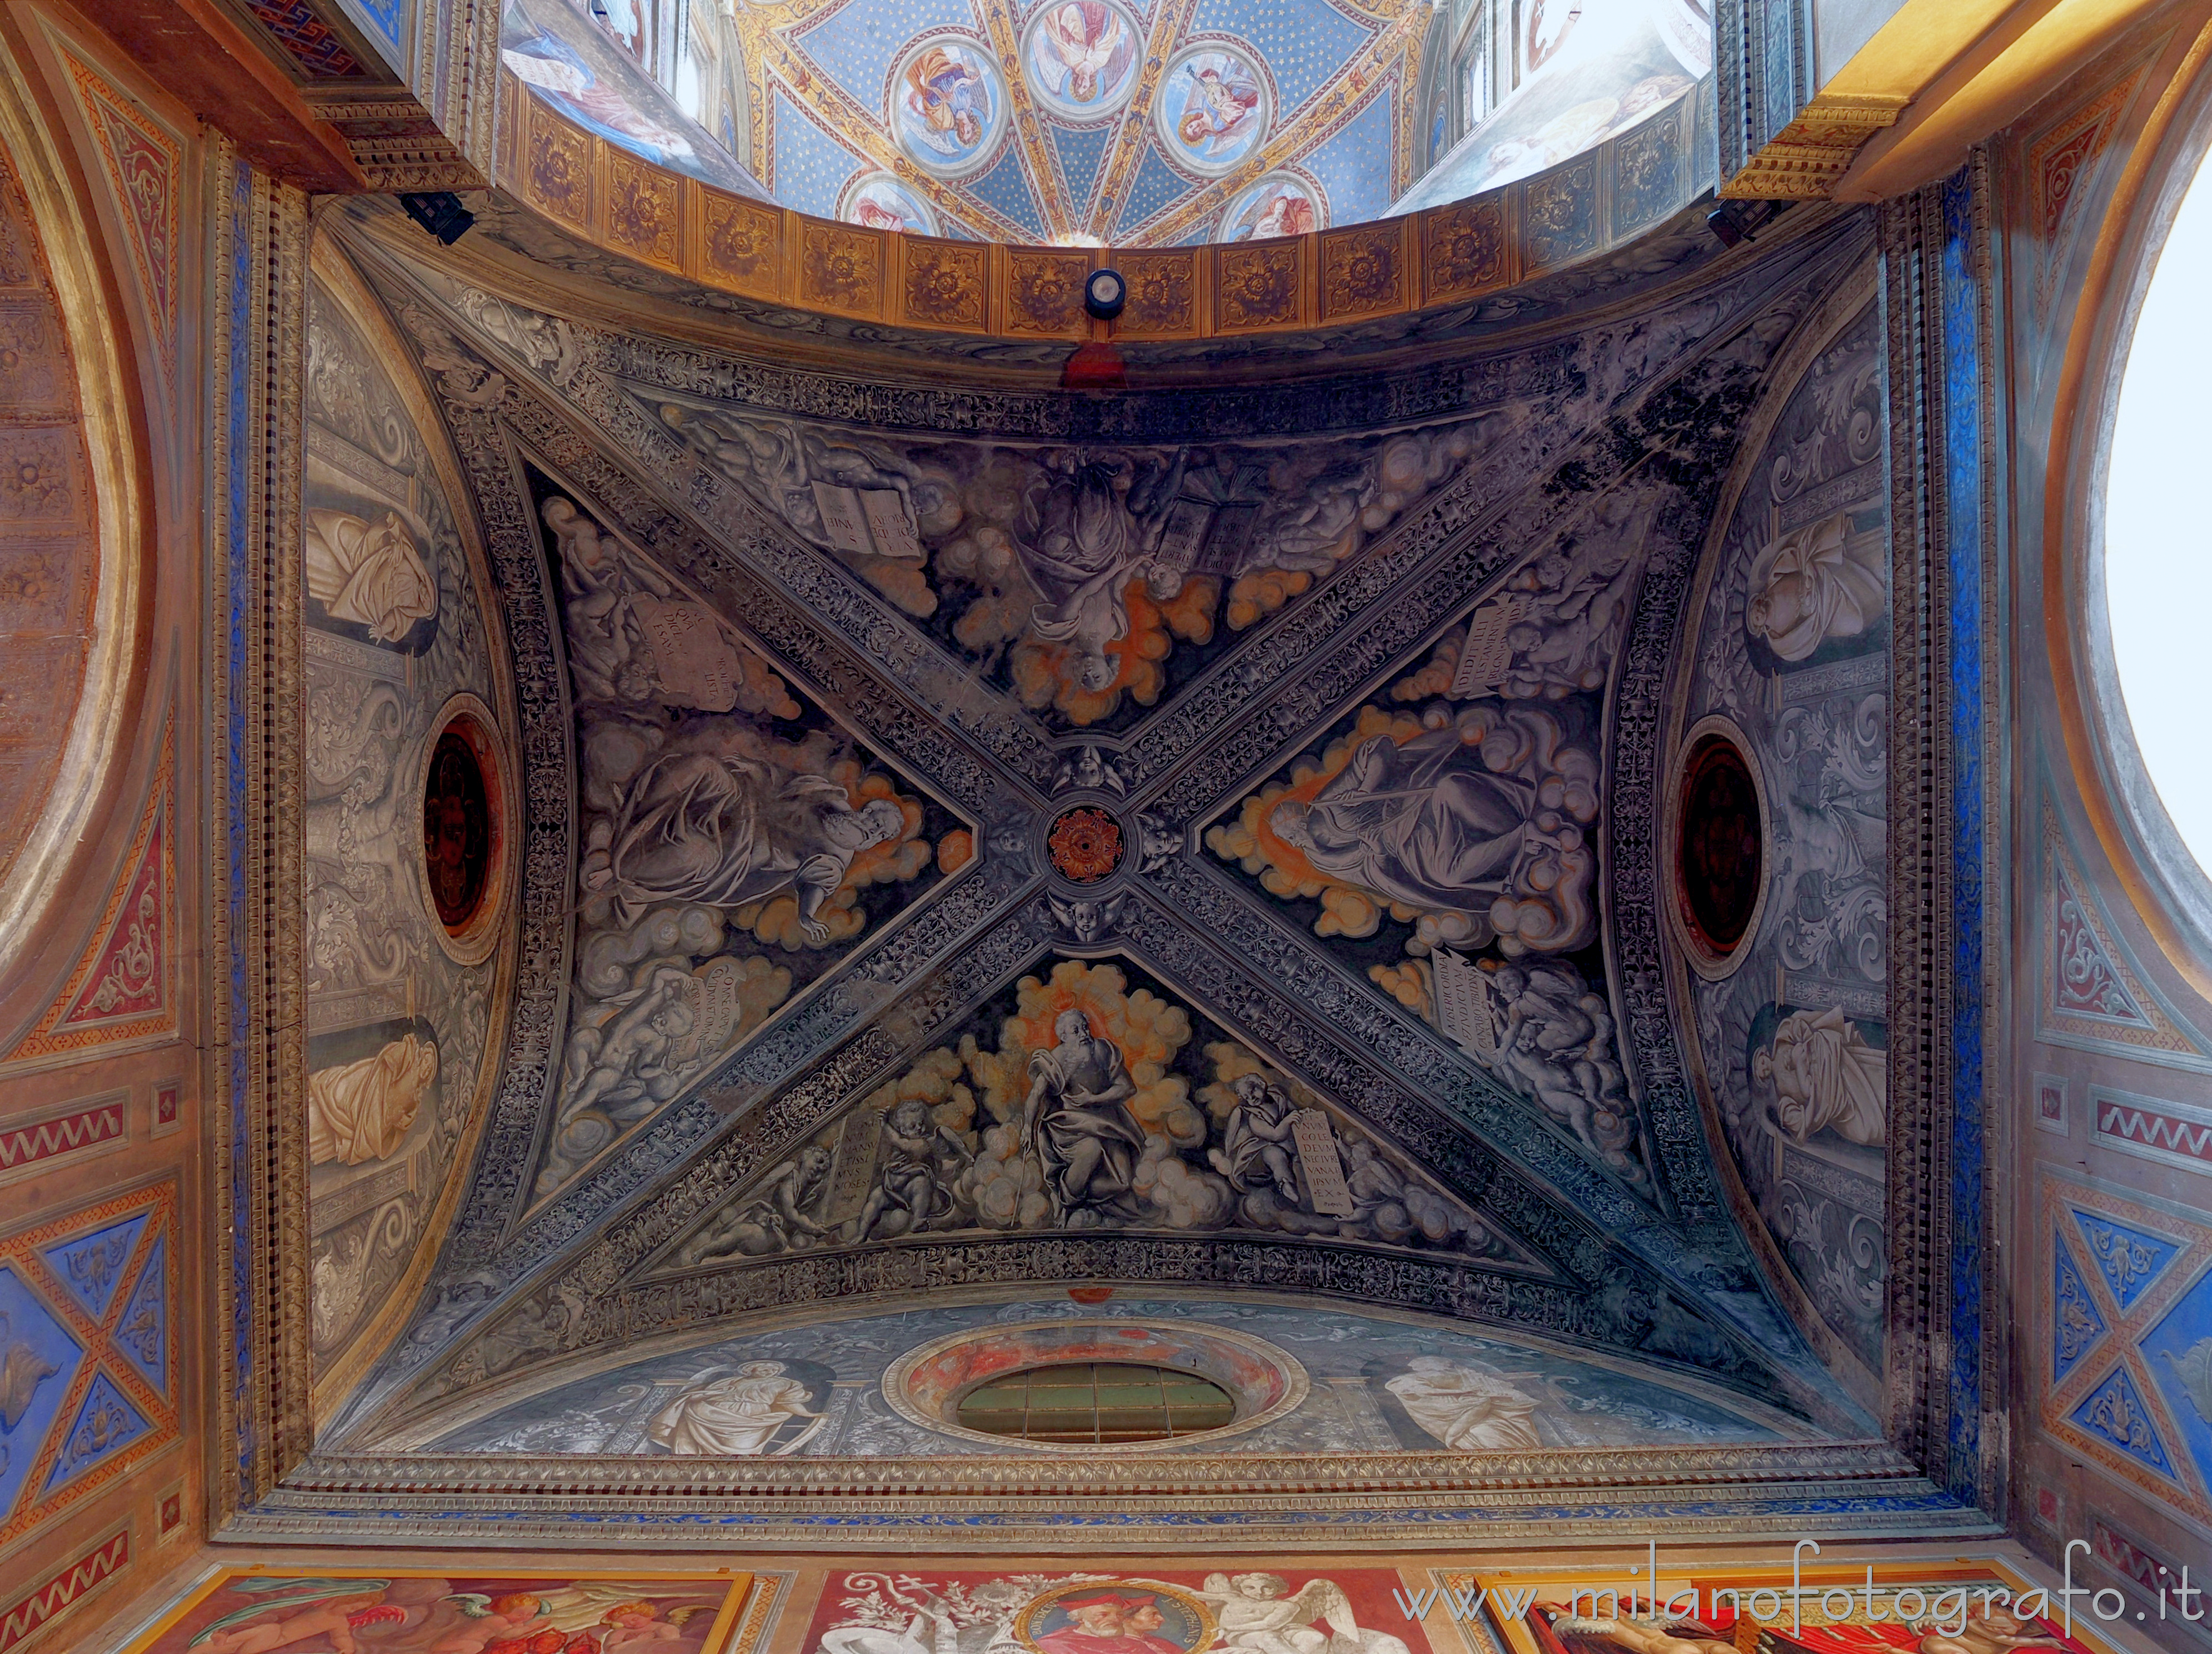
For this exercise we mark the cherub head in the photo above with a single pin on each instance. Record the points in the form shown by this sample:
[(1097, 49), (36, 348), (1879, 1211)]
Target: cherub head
[(1260, 1587), (1163, 582), (910, 1117)]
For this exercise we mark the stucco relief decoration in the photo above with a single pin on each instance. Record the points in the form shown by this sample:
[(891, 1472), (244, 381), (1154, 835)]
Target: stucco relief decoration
[(1083, 580), (734, 842), (400, 1031), (1792, 650), (1090, 1101)]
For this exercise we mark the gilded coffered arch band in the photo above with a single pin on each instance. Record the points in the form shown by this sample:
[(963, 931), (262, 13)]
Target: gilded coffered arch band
[(100, 727)]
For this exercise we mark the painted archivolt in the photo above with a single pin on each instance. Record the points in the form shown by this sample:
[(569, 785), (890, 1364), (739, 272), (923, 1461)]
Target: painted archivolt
[(88, 1358), (1791, 650), (402, 1031), (818, 668)]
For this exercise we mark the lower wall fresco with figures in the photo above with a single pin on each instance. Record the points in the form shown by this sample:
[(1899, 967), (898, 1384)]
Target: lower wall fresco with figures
[(1213, 1602)]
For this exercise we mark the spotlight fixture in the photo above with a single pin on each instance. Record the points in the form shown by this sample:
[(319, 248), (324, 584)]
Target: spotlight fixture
[(1104, 294), (439, 212), (1734, 223)]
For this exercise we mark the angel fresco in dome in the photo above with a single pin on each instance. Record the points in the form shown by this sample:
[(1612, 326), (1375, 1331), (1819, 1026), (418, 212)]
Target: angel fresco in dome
[(1214, 109), (950, 106), (1082, 56), (560, 72), (1278, 205), (882, 202)]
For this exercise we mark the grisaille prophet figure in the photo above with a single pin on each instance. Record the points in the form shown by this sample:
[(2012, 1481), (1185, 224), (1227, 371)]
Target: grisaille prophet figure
[(1466, 1407), (368, 573), (1427, 824), (1077, 1119), (725, 830), (1825, 1076), (1816, 583), (1260, 1613), (776, 1216), (735, 1415), (1089, 530), (1255, 1140), (362, 1110)]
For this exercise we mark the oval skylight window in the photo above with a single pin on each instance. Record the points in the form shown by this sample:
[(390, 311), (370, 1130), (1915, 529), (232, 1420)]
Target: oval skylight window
[(2158, 541)]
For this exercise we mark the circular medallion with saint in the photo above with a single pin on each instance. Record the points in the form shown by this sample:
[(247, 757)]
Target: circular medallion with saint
[(1085, 844), (1116, 1616)]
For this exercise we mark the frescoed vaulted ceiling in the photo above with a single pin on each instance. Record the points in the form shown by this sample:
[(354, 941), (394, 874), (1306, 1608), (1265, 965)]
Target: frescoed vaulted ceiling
[(1138, 122), (1004, 836)]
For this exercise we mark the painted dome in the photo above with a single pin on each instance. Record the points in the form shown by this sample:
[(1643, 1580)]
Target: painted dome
[(1121, 122)]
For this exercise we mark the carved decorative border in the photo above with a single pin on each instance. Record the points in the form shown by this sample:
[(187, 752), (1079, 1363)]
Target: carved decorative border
[(1944, 1353), (1271, 286), (257, 1011)]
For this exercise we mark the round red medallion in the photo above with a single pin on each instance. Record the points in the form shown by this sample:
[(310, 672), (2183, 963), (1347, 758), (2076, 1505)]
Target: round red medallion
[(1085, 845)]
